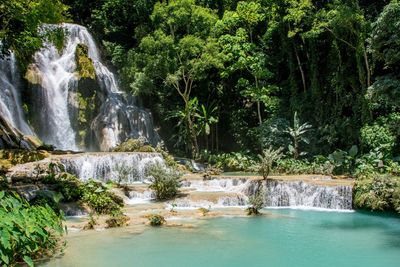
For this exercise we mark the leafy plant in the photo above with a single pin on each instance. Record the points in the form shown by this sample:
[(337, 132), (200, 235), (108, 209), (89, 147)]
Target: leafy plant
[(165, 182), (380, 193), (256, 203), (117, 220), (266, 160), (99, 199), (156, 219), (297, 133), (27, 233)]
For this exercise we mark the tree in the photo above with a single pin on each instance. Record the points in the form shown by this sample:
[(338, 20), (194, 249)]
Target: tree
[(177, 54), (297, 134), (20, 21), (236, 32)]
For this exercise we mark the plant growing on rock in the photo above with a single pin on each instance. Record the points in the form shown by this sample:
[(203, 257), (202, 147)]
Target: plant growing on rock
[(256, 203), (165, 182), (100, 199), (267, 159), (117, 219), (123, 172), (156, 219), (380, 193)]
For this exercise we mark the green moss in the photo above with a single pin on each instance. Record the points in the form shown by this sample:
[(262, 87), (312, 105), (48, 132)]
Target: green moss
[(84, 64), (86, 111), (16, 156), (56, 37)]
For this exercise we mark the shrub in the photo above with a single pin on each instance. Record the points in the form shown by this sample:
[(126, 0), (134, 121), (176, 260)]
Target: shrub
[(203, 211), (156, 220), (27, 232), (165, 182), (99, 199), (256, 203), (124, 171), (379, 193), (117, 220), (268, 157), (132, 145), (235, 161), (67, 184), (377, 137)]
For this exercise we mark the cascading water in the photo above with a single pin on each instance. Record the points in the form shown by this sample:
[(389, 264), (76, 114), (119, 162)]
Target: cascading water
[(130, 167), (56, 101), (10, 103), (301, 194), (229, 192)]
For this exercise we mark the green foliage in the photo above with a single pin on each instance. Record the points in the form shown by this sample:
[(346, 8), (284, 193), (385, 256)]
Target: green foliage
[(377, 137), (67, 184), (117, 220), (27, 232), (165, 182), (156, 219), (19, 24), (297, 133), (235, 161), (256, 203), (134, 145), (84, 64), (100, 199), (380, 193), (268, 157)]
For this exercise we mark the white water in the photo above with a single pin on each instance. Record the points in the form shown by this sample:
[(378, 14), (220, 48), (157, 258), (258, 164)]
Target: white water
[(301, 194), (54, 102), (108, 166), (10, 99), (278, 194)]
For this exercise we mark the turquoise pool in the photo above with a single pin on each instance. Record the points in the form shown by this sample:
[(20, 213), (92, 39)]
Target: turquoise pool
[(292, 238)]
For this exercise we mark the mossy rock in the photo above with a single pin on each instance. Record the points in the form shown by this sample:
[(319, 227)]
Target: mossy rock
[(33, 75), (132, 145), (18, 156), (146, 148), (84, 64)]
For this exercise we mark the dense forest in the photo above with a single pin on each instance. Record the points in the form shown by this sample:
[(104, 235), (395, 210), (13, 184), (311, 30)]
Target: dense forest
[(231, 74)]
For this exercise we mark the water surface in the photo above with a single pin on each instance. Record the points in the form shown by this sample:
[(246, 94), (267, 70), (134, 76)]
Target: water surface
[(293, 238)]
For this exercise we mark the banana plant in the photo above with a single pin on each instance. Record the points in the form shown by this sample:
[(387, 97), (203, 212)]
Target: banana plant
[(297, 134)]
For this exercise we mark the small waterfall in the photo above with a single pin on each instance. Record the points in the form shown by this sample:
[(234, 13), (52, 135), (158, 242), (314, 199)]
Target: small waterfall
[(217, 185), (301, 194), (131, 167), (228, 192), (56, 100), (10, 101)]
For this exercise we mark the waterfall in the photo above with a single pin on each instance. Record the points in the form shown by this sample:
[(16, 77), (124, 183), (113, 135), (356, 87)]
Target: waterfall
[(301, 194), (55, 97), (228, 192), (10, 101), (110, 166)]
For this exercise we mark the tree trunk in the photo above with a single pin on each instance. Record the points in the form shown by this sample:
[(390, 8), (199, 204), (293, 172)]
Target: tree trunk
[(303, 76)]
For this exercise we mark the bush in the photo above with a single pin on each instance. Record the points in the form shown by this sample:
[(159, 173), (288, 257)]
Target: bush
[(134, 145), (256, 203), (67, 184), (27, 232), (268, 157), (156, 220), (235, 161), (117, 220), (380, 193), (165, 182), (99, 199), (377, 137)]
